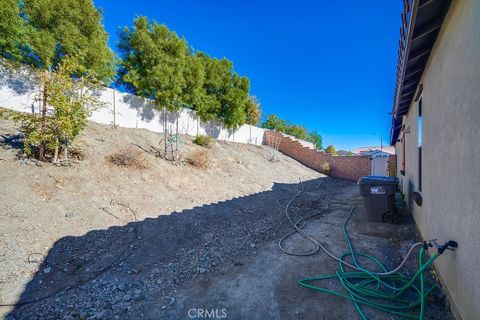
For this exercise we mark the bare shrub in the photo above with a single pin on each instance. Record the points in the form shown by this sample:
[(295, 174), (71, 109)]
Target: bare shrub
[(204, 141), (198, 158), (77, 152), (325, 168), (128, 157)]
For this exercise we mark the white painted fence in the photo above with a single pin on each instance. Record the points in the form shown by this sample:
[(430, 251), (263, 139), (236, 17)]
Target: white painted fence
[(18, 90)]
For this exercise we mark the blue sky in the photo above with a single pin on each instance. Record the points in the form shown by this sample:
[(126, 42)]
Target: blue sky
[(327, 65)]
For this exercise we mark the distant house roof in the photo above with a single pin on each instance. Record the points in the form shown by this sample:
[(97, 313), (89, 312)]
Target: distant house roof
[(370, 151), (421, 22)]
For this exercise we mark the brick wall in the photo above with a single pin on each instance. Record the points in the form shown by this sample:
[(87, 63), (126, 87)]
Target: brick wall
[(345, 167), (392, 166), (350, 167)]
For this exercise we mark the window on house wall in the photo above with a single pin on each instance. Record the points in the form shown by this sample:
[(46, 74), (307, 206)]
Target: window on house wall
[(420, 137), (402, 171)]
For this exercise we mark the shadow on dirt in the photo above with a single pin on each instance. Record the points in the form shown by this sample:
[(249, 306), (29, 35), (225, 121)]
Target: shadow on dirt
[(12, 141), (113, 269), (133, 271)]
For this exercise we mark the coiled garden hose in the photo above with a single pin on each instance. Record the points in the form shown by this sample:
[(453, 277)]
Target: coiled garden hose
[(300, 224), (395, 293), (388, 291)]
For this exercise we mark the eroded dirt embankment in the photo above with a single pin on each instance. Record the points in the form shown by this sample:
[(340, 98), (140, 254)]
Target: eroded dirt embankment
[(41, 204), (95, 241)]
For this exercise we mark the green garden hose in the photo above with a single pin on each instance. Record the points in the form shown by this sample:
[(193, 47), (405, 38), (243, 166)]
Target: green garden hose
[(395, 294), (388, 291)]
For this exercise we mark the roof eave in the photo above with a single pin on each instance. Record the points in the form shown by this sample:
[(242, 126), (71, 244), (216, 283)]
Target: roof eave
[(417, 37)]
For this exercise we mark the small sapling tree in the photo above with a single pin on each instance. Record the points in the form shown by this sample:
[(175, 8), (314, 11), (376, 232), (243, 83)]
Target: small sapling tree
[(70, 100)]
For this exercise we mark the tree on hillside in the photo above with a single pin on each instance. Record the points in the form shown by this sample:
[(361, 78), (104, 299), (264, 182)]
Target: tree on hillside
[(70, 101), (55, 29), (315, 138), (153, 65), (234, 100), (153, 60), (194, 91), (252, 108), (297, 131), (159, 65), (215, 78), (331, 149), (272, 122), (50, 31), (226, 93), (11, 29)]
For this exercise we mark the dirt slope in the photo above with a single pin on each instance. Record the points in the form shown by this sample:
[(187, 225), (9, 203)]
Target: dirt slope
[(95, 241), (41, 204)]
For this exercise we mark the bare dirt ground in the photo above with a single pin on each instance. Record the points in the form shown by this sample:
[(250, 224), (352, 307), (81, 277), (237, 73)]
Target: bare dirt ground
[(96, 241)]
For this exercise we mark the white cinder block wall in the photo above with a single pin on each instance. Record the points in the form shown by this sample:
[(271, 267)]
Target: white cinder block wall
[(18, 91)]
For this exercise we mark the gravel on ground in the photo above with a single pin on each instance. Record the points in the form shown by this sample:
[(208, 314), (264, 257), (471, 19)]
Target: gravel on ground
[(96, 241)]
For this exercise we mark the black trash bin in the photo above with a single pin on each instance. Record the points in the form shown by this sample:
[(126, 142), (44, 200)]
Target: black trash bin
[(379, 196)]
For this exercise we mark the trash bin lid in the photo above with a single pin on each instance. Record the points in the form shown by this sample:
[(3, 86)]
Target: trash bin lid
[(375, 180)]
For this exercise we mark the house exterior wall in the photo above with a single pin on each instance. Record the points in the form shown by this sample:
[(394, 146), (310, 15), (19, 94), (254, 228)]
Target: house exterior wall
[(410, 181), (450, 155)]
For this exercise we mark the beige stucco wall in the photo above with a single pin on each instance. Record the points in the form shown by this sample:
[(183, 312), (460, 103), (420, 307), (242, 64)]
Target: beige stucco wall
[(411, 178), (399, 153), (451, 155)]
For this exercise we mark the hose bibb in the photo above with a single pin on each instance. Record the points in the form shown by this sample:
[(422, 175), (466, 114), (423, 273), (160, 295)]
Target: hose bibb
[(450, 245)]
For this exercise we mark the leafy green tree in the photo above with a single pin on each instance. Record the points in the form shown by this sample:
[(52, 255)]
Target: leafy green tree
[(331, 149), (234, 99), (272, 122), (193, 92), (157, 64), (214, 79), (226, 93), (56, 29), (252, 108), (153, 62), (154, 65), (51, 30), (297, 131), (315, 138), (11, 29), (70, 101)]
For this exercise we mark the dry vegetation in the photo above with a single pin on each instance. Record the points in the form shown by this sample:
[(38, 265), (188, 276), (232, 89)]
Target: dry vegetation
[(128, 157), (71, 201), (77, 152), (204, 141), (325, 168), (198, 158)]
